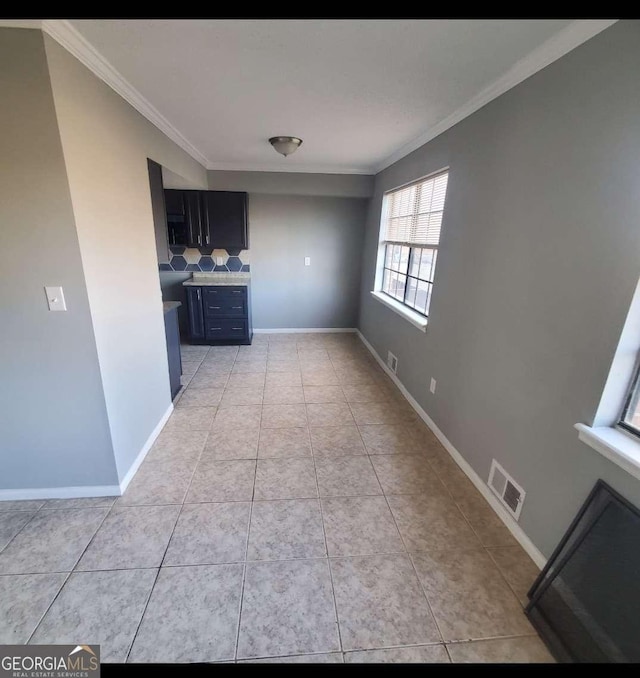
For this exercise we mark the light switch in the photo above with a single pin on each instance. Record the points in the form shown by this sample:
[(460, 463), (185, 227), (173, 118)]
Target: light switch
[(307, 261), (55, 299)]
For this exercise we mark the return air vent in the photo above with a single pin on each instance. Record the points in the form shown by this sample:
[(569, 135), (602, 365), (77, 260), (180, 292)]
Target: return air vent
[(392, 362), (510, 494)]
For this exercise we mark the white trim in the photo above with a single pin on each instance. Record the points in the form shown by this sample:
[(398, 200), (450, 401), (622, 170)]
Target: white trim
[(555, 47), (90, 490), (21, 23), (616, 445), (77, 492), (298, 169), (145, 450), (552, 49), (304, 330), (515, 529), (414, 318), (63, 32)]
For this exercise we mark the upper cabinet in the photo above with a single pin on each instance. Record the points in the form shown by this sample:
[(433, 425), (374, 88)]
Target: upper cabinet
[(216, 219), (225, 218)]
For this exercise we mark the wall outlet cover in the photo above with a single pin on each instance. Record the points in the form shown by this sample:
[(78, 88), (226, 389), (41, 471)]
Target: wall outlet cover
[(55, 298), (392, 362), (432, 385)]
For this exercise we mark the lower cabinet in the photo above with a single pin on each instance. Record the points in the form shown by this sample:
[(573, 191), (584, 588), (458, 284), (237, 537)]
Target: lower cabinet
[(219, 314), (172, 335)]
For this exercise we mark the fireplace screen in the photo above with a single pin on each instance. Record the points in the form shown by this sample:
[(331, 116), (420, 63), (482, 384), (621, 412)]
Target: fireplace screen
[(586, 601)]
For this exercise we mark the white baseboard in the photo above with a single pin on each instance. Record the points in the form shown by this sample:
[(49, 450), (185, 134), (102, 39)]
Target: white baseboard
[(535, 554), (145, 450), (60, 492), (89, 490), (305, 330)]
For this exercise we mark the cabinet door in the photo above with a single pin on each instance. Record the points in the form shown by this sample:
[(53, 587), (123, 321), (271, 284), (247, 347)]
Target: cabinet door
[(225, 219), (193, 209), (196, 313), (177, 228)]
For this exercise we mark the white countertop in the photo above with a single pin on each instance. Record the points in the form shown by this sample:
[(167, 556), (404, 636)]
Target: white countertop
[(228, 279)]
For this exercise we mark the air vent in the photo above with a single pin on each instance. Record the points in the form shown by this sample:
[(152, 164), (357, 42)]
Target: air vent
[(392, 362), (510, 494)]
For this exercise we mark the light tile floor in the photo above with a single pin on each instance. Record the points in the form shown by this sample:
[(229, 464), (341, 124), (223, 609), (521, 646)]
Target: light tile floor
[(294, 508)]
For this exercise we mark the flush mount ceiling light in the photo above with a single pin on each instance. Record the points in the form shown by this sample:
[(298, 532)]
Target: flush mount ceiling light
[(285, 145)]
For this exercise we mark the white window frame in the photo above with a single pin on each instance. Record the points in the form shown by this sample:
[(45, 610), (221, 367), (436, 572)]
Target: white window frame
[(416, 319), (605, 435)]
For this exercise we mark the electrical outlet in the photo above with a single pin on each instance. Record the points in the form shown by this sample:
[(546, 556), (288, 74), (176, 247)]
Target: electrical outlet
[(432, 386), (219, 261), (392, 362), (307, 261)]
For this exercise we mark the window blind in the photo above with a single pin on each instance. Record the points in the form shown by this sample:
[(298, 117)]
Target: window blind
[(414, 213)]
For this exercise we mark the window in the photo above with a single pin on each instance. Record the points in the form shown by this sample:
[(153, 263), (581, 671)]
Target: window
[(410, 238), (631, 412)]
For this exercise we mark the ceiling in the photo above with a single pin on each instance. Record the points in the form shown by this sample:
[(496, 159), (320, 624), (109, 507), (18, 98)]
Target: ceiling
[(360, 93)]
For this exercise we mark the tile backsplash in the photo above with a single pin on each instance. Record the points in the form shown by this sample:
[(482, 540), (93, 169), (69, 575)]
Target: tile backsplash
[(205, 260)]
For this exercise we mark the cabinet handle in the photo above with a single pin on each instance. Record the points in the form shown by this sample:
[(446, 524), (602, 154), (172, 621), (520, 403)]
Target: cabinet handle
[(198, 292), (237, 291), (237, 328), (214, 307), (199, 239), (215, 328), (234, 307)]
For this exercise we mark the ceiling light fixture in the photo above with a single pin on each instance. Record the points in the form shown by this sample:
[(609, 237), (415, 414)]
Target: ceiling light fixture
[(285, 145)]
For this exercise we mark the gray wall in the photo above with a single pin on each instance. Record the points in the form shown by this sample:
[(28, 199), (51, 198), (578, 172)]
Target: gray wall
[(106, 143), (538, 264), (291, 183), (285, 230), (52, 409)]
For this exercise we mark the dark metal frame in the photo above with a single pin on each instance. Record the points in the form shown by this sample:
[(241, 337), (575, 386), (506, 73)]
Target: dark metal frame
[(407, 274), (631, 401), (543, 581)]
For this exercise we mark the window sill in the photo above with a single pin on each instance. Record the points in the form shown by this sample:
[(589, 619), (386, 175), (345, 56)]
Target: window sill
[(414, 318), (616, 445)]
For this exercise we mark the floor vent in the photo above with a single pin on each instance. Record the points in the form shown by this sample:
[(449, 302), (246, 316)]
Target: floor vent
[(510, 494), (392, 362)]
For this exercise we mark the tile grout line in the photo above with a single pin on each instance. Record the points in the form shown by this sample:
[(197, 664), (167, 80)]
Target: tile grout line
[(246, 551), (326, 547), (73, 569), (408, 554), (164, 555)]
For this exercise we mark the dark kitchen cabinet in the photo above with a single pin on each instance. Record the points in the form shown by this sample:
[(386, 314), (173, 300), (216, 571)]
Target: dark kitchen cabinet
[(225, 216), (220, 314), (172, 335), (195, 313), (210, 219), (184, 218)]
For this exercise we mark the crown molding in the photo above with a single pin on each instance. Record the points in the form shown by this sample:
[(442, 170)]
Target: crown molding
[(552, 49), (297, 169), (64, 33), (21, 23), (555, 47)]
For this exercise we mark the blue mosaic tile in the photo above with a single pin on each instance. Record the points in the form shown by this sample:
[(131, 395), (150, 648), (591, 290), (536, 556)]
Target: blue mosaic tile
[(178, 263), (246, 268), (206, 264), (234, 252), (208, 251), (193, 267), (177, 249), (221, 269), (234, 264), (165, 267)]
